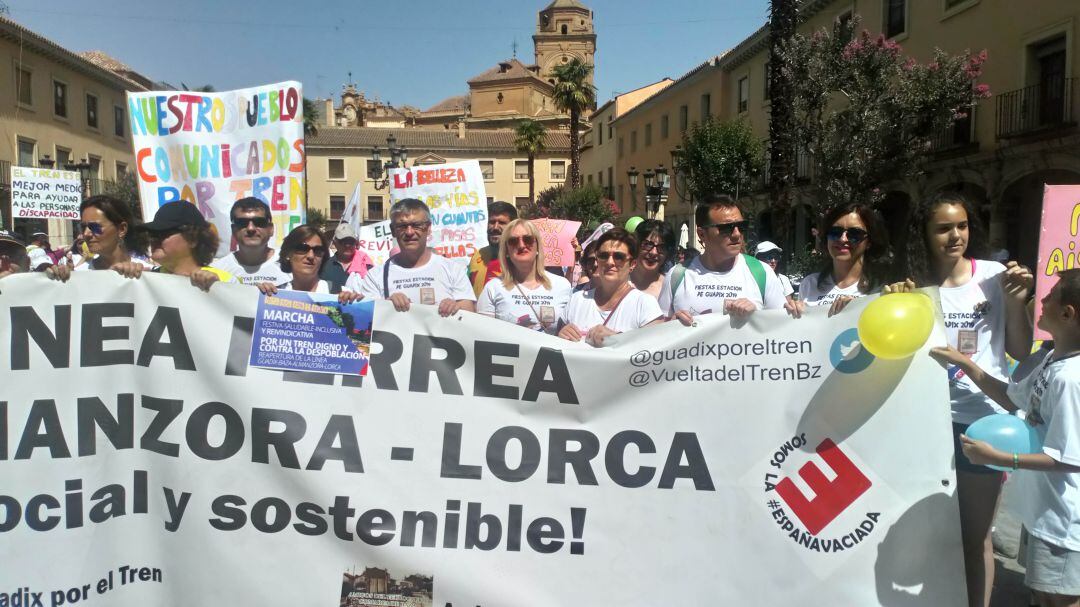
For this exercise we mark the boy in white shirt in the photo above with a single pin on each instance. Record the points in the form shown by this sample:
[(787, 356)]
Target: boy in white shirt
[(1050, 396)]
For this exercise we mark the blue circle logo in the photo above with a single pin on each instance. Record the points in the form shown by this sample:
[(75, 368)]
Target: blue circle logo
[(847, 354)]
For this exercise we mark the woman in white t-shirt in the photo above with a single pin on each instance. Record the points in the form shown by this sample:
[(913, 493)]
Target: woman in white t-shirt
[(613, 305), (525, 294), (984, 307), (304, 252), (855, 238), (656, 241)]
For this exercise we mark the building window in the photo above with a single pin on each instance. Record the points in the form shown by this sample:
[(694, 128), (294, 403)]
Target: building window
[(60, 99), (118, 126), (91, 111), (490, 199), (336, 168), (664, 126), (24, 82), (599, 134), (521, 169), (27, 153), (610, 129), (744, 94), (521, 202), (610, 177), (706, 106), (620, 147), (374, 208), (121, 170), (558, 170), (487, 168), (374, 168), (600, 178), (63, 157), (95, 167), (588, 179), (895, 17), (648, 134), (633, 141), (684, 118), (337, 207)]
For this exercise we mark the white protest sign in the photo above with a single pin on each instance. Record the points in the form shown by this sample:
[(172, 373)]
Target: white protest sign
[(772, 463), (212, 149), (45, 193), (455, 193)]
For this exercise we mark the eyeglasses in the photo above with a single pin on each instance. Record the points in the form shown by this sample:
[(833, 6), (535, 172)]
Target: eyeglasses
[(618, 256), (727, 229), (241, 223), (94, 227), (648, 245), (854, 235), (526, 241), (416, 226), (303, 249)]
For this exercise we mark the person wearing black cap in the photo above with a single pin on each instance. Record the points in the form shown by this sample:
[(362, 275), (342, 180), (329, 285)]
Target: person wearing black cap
[(13, 256), (181, 243), (253, 261)]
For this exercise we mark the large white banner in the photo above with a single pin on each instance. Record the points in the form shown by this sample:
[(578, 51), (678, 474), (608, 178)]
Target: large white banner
[(212, 149), (478, 463), (455, 193)]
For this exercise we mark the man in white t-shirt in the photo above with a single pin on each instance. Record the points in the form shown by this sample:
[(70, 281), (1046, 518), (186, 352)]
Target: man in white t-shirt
[(722, 279), (253, 261), (416, 274)]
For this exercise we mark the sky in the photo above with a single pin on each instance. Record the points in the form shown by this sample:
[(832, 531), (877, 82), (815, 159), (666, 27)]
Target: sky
[(416, 53)]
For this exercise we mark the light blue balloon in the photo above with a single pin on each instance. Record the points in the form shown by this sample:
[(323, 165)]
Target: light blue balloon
[(1006, 433)]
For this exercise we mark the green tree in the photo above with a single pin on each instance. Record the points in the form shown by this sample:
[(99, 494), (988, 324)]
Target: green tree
[(311, 118), (529, 139), (783, 20), (585, 204), (719, 158), (574, 94), (865, 114), (317, 219), (126, 188)]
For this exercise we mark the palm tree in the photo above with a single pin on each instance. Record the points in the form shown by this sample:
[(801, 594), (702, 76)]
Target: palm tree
[(311, 118), (529, 139), (574, 94)]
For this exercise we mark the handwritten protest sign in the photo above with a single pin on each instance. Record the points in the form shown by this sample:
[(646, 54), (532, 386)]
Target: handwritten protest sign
[(375, 240), (212, 149), (44, 193), (455, 194), (555, 238), (1057, 241)]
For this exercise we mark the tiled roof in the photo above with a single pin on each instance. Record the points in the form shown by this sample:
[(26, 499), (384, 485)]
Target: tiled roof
[(420, 140), (507, 70), (450, 104), (20, 35), (566, 4)]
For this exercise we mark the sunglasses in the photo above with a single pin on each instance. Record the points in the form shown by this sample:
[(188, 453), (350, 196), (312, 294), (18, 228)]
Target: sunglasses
[(242, 223), (648, 245), (94, 227), (618, 256), (304, 248), (727, 229), (521, 241), (416, 226), (854, 235)]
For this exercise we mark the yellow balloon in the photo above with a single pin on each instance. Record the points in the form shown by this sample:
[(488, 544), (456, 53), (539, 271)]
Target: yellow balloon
[(896, 326)]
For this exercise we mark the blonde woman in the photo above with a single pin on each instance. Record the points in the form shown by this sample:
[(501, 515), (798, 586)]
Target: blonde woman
[(525, 294)]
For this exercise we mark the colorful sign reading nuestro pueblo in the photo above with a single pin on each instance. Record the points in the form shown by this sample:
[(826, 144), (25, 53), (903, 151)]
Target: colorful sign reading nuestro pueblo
[(212, 149), (771, 462)]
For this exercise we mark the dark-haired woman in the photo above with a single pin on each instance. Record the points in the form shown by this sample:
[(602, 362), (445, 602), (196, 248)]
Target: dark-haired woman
[(109, 231), (304, 252), (858, 246), (983, 303), (656, 244)]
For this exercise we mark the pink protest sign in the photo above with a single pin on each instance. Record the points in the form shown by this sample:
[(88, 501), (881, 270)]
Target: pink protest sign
[(1057, 240), (555, 237)]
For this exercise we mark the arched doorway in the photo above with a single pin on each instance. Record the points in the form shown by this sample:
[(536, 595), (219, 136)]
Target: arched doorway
[(1022, 205)]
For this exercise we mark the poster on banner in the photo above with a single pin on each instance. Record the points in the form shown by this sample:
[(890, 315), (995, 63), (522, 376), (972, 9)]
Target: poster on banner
[(45, 193), (455, 193), (299, 331), (212, 149), (149, 464), (1059, 236), (556, 236)]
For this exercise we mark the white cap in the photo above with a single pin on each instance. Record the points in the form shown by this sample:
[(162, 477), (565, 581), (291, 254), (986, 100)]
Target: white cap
[(765, 246), (344, 231)]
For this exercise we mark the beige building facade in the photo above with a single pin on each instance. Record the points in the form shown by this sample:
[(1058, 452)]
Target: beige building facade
[(339, 158), (1025, 135), (61, 107)]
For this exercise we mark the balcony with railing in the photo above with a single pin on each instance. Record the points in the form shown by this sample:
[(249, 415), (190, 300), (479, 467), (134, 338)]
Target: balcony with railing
[(1047, 108), (804, 168), (957, 138)]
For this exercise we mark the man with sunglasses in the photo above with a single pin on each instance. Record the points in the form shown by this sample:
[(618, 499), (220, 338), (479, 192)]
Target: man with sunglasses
[(253, 261), (722, 279), (416, 274)]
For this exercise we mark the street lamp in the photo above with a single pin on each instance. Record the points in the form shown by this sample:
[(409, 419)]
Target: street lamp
[(46, 162), (83, 167), (399, 157), (656, 187)]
